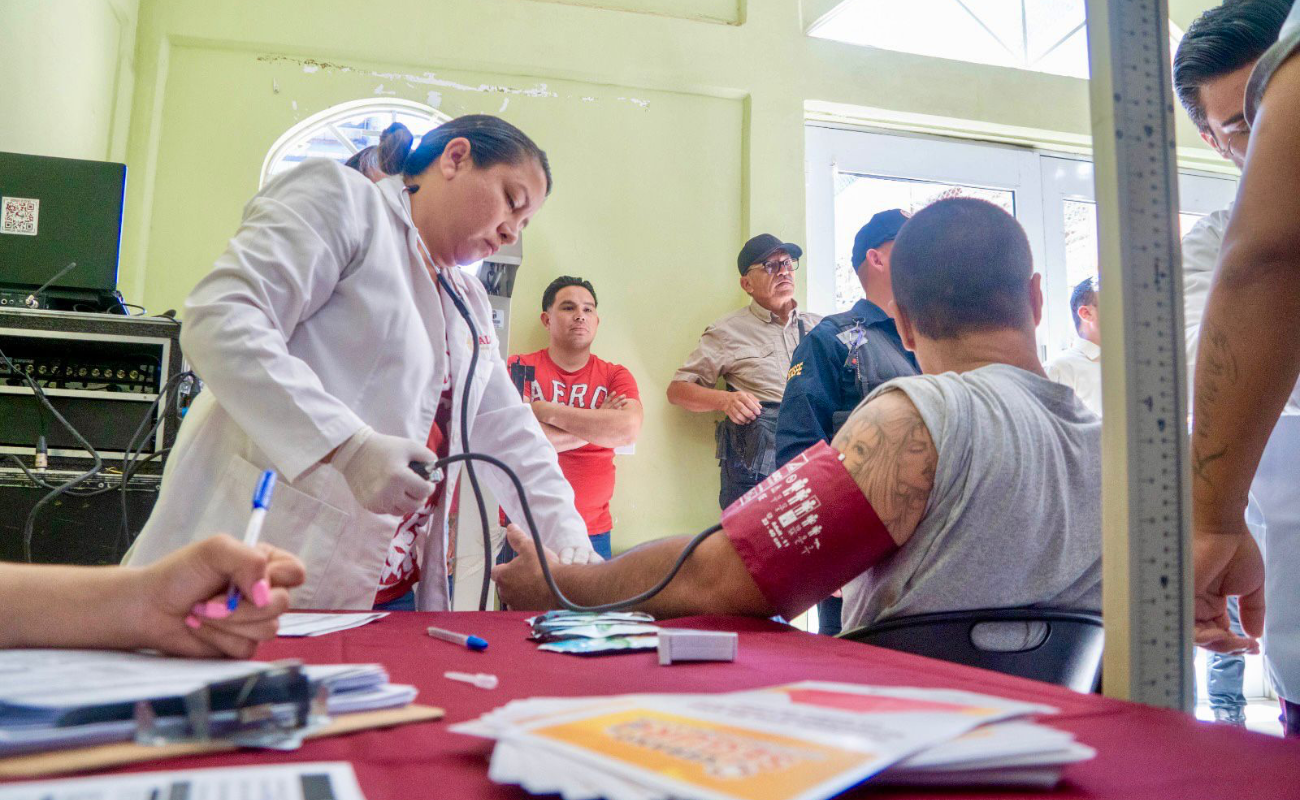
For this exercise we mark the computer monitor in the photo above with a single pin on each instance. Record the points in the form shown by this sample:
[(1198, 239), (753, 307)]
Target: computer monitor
[(54, 211)]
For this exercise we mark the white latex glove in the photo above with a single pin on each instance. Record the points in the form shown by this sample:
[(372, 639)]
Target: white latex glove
[(377, 469), (579, 555)]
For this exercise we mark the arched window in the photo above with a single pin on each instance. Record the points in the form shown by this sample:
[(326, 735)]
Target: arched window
[(344, 129)]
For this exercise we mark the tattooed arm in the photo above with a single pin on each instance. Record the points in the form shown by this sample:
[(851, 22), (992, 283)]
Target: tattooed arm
[(1248, 362), (888, 451)]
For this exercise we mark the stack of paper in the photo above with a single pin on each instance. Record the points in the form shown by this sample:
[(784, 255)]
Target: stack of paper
[(801, 741), (309, 781), (297, 623), (586, 633), (53, 699)]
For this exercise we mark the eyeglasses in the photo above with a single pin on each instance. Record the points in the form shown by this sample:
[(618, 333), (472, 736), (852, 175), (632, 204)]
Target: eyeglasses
[(1234, 142), (776, 266)]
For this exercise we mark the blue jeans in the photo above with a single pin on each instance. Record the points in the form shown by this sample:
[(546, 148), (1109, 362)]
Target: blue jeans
[(1224, 673), (829, 612), (404, 603), (600, 543)]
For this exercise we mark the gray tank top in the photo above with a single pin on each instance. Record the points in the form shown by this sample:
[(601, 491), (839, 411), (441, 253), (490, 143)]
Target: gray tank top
[(1014, 518)]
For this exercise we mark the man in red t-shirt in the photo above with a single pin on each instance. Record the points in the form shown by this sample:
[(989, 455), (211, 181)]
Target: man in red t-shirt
[(586, 406)]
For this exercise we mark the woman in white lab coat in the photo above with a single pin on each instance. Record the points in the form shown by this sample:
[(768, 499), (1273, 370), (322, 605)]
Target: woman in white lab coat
[(327, 345)]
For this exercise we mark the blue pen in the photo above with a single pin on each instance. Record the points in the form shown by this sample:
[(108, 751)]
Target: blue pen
[(261, 502), (462, 639)]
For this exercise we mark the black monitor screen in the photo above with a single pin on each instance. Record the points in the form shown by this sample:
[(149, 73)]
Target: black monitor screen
[(54, 211)]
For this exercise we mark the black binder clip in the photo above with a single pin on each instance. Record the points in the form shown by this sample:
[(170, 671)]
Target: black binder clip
[(273, 708)]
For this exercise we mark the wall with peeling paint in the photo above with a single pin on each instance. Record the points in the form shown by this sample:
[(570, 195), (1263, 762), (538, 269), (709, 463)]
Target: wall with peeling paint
[(675, 133)]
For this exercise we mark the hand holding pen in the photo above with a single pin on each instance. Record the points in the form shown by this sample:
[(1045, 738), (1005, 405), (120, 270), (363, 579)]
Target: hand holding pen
[(252, 532)]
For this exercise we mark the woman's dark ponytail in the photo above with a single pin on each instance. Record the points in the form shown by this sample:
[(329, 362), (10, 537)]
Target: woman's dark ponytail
[(386, 158), (394, 148), (492, 141)]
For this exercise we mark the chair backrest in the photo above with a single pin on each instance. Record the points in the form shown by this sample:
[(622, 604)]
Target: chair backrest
[(1066, 651)]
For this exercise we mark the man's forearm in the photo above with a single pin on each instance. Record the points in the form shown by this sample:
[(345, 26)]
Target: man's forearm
[(694, 397), (712, 581), (561, 440), (602, 427), (1245, 370), (1249, 352)]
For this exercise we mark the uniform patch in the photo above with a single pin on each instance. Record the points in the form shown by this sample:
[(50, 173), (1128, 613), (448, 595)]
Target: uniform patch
[(795, 371)]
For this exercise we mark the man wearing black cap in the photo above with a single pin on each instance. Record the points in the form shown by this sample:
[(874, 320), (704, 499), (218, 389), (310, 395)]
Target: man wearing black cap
[(750, 349), (842, 360)]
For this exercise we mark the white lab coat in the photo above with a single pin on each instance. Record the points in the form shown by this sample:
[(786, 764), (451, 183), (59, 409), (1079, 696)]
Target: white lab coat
[(321, 317)]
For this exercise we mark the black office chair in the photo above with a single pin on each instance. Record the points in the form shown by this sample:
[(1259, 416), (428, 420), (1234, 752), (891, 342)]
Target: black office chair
[(1067, 654)]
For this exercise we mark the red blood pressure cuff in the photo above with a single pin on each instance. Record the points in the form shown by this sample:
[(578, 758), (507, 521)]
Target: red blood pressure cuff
[(806, 531)]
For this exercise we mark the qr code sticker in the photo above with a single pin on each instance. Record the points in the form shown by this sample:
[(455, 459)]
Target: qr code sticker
[(19, 215)]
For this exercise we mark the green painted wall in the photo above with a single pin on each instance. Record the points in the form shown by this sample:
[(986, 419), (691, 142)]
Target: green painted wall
[(67, 67), (675, 129)]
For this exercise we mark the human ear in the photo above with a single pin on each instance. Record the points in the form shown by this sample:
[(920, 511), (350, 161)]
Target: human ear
[(1036, 296), (905, 330), (455, 157)]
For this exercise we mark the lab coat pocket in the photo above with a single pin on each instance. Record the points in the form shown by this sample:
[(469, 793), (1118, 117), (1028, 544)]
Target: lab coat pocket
[(296, 521)]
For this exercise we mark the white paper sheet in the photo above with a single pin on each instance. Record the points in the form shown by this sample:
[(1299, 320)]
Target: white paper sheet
[(326, 780), (299, 624), (645, 747)]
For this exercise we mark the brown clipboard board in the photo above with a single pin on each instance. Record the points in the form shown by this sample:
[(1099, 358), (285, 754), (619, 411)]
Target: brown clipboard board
[(83, 759)]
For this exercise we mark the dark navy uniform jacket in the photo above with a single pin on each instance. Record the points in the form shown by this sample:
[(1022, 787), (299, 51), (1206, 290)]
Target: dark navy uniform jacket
[(842, 360)]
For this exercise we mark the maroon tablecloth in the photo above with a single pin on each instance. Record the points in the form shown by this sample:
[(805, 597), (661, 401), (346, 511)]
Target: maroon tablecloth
[(1142, 752)]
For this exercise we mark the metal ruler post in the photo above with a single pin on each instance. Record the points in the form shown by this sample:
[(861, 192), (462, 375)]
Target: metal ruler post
[(1146, 508)]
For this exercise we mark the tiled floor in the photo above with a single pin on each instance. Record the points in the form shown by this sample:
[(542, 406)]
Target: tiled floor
[(1261, 716)]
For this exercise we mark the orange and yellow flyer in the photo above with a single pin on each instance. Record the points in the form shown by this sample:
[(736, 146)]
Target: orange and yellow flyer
[(796, 742)]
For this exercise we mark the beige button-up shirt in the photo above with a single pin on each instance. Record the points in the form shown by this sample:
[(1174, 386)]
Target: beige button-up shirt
[(1080, 369), (750, 348)]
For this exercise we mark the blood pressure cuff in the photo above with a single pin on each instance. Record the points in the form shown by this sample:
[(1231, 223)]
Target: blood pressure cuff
[(806, 530)]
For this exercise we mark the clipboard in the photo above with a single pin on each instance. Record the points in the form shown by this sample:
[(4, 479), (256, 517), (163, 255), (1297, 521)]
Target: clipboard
[(62, 762)]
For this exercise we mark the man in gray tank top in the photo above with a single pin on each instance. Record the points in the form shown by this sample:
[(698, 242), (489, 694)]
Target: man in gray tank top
[(982, 478)]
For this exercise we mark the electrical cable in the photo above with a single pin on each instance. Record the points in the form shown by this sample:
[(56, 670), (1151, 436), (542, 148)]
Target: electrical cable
[(541, 556), (131, 458), (29, 524)]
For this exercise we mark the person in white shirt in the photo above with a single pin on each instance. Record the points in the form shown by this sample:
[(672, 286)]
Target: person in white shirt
[(1211, 67), (1080, 366), (1238, 340), (335, 342)]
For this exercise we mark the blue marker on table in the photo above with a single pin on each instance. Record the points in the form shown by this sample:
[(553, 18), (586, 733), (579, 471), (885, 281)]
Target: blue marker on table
[(261, 502), (472, 642)]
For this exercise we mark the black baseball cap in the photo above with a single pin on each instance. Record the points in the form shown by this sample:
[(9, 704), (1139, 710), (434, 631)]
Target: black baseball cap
[(881, 228), (762, 246)]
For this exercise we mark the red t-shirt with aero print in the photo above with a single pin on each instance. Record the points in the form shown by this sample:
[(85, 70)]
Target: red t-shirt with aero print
[(590, 468)]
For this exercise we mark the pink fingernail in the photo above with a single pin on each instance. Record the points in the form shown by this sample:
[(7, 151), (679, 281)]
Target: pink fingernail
[(216, 609), (193, 622), (199, 609), (261, 593)]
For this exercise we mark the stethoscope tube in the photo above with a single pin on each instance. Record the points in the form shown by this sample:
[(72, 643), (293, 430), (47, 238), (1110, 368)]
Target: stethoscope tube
[(459, 303)]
